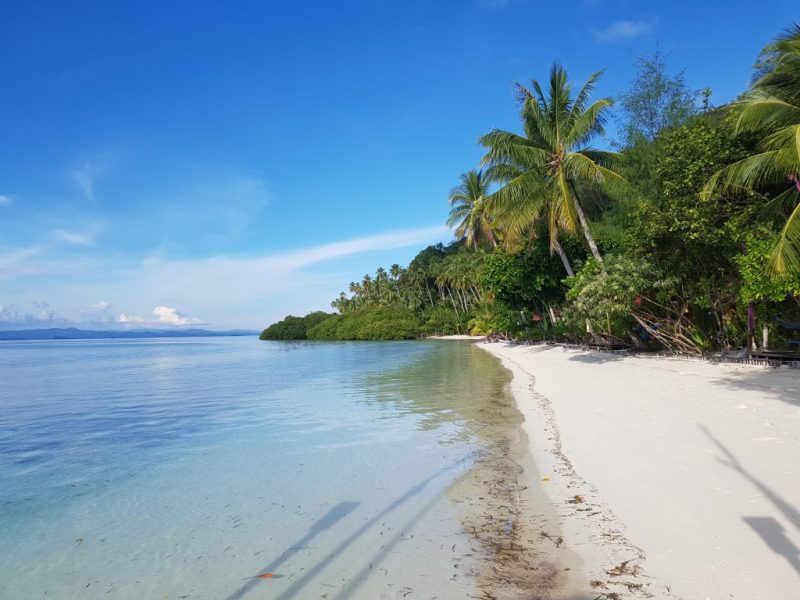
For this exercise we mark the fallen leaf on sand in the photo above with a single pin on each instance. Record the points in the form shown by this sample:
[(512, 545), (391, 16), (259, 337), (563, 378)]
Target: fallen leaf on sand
[(545, 479), (266, 576)]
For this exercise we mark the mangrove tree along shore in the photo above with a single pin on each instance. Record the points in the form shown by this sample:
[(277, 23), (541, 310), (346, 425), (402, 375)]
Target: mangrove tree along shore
[(686, 238)]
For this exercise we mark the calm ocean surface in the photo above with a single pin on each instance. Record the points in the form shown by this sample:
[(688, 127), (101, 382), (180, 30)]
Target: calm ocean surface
[(186, 468)]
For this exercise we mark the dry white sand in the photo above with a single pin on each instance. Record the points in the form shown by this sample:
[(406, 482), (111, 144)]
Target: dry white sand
[(687, 473)]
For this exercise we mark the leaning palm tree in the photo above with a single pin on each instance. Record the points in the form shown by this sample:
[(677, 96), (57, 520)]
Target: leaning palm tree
[(772, 106), (542, 169), (468, 213)]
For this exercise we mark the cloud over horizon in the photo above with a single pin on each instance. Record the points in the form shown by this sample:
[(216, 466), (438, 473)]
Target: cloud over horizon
[(42, 315), (301, 278), (165, 316)]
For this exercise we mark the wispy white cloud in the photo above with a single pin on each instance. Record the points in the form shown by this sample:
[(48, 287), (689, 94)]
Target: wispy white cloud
[(623, 30), (74, 237), (384, 241), (255, 287), (166, 316), (252, 283), (18, 261), (46, 257), (84, 176), (6, 199)]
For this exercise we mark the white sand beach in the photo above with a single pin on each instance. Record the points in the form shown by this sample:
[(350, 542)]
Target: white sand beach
[(672, 478)]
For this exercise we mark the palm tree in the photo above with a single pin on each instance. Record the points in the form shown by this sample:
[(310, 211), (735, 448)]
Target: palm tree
[(542, 169), (772, 106), (468, 212)]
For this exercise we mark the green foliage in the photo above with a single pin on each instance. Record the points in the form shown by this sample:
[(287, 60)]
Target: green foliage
[(293, 328), (529, 278), (693, 240), (368, 324), (505, 276), (638, 166), (689, 155), (655, 101), (757, 283), (605, 294), (440, 320)]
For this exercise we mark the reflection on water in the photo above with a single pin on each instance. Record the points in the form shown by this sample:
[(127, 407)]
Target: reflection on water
[(459, 384), (187, 468)]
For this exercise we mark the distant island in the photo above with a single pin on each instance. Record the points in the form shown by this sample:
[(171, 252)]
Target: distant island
[(73, 333)]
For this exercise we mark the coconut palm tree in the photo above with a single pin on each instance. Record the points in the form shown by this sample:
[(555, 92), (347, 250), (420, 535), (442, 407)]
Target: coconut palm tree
[(772, 106), (542, 169), (468, 210)]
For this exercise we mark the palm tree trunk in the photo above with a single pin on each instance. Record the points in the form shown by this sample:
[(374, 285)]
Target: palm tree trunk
[(588, 234), (455, 308), (564, 260), (427, 287)]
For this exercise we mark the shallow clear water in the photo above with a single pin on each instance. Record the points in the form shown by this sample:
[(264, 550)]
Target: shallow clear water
[(186, 468)]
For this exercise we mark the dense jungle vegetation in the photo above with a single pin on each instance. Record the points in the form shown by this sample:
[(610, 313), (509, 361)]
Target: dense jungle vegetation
[(686, 237)]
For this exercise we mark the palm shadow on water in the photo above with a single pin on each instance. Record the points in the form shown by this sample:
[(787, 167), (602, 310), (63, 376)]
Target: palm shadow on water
[(333, 516), (769, 529), (359, 578)]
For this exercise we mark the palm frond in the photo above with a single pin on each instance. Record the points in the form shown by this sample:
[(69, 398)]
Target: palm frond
[(589, 123), (604, 158), (750, 172), (581, 169), (758, 110), (497, 140), (502, 172), (785, 256), (582, 97)]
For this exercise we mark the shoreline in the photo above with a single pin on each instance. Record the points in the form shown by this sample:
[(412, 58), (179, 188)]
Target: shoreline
[(670, 478)]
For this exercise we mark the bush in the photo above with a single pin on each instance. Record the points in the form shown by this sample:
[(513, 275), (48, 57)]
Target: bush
[(440, 320), (294, 328), (368, 324)]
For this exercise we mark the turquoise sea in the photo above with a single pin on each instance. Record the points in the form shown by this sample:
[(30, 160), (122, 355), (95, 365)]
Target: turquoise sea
[(186, 468)]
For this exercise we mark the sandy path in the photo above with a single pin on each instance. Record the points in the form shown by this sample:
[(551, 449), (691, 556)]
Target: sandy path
[(687, 470)]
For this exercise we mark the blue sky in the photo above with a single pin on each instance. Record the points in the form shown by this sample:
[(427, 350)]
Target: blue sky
[(178, 163)]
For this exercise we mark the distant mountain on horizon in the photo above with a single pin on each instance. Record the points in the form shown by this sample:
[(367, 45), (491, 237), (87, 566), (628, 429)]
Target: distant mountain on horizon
[(73, 333)]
